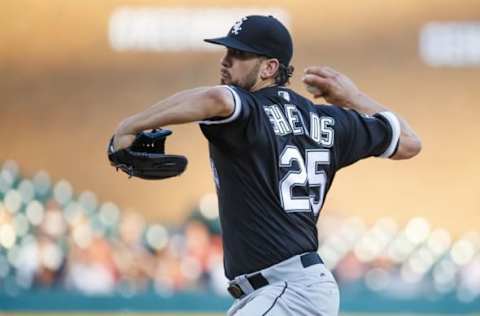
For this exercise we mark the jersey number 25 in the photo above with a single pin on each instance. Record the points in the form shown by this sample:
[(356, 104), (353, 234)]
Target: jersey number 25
[(308, 176)]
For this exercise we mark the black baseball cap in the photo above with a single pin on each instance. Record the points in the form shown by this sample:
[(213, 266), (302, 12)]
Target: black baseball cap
[(259, 34)]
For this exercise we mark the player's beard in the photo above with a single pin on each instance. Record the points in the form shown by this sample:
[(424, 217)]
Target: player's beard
[(247, 82), (251, 78)]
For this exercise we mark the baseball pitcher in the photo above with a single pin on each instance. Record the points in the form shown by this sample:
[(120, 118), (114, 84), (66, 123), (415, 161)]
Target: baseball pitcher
[(274, 155)]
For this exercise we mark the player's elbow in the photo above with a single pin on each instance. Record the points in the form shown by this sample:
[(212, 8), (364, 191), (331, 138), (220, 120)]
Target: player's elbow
[(219, 103), (413, 148), (408, 148)]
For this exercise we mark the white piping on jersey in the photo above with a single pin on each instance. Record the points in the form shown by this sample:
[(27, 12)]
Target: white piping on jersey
[(236, 111), (395, 124)]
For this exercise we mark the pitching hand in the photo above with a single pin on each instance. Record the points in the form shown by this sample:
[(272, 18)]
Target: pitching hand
[(333, 86)]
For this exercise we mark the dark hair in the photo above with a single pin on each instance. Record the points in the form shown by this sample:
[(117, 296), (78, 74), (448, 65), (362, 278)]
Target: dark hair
[(283, 74)]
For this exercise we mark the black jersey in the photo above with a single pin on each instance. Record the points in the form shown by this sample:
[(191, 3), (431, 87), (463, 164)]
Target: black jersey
[(274, 160)]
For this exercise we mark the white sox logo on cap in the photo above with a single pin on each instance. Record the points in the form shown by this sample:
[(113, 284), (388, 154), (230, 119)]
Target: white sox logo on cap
[(261, 35), (237, 27)]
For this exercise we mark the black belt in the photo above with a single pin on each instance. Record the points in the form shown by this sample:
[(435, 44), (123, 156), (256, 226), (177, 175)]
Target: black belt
[(257, 280)]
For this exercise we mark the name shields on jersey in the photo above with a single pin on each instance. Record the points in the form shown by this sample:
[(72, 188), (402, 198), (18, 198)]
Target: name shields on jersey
[(321, 128)]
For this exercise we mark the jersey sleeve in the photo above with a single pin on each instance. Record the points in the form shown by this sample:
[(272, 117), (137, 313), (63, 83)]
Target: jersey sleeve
[(231, 129), (360, 136)]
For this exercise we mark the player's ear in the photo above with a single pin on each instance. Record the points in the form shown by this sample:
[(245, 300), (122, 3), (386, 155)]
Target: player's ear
[(269, 68)]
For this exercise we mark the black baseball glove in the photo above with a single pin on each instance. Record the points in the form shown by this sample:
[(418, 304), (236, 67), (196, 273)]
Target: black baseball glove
[(146, 157)]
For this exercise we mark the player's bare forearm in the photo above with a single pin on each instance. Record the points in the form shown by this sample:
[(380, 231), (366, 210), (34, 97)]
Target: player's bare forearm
[(338, 89), (184, 107)]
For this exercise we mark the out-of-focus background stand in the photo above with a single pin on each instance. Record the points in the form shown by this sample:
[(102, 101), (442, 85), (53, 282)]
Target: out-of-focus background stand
[(75, 235)]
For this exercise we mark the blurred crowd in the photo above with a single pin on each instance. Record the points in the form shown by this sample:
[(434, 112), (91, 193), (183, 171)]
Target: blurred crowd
[(53, 238)]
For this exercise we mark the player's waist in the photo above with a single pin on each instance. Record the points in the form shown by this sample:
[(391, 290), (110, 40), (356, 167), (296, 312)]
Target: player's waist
[(292, 268)]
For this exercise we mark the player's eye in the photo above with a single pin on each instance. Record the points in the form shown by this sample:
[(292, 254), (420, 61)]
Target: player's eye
[(236, 53)]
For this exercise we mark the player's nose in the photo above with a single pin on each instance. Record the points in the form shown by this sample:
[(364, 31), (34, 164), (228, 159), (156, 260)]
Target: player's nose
[(226, 61)]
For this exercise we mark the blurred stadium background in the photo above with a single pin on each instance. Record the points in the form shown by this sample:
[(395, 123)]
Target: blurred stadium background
[(75, 235)]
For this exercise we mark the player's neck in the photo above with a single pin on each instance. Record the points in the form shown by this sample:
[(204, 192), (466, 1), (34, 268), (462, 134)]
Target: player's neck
[(261, 84)]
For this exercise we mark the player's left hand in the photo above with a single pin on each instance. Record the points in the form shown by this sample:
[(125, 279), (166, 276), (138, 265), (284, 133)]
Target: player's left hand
[(335, 87)]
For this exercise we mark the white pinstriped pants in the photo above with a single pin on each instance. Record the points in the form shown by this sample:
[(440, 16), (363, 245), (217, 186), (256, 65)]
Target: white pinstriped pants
[(292, 291)]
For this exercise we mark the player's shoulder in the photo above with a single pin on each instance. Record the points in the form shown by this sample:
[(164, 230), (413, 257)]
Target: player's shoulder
[(293, 97), (284, 95), (271, 95)]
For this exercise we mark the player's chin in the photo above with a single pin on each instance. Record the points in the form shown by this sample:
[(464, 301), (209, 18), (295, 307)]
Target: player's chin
[(225, 81)]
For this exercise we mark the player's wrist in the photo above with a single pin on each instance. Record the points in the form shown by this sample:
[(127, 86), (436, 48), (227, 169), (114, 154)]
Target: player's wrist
[(363, 103), (127, 127), (122, 141), (356, 98)]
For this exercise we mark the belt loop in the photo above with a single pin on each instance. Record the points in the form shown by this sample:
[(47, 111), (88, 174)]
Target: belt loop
[(310, 259), (242, 281)]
